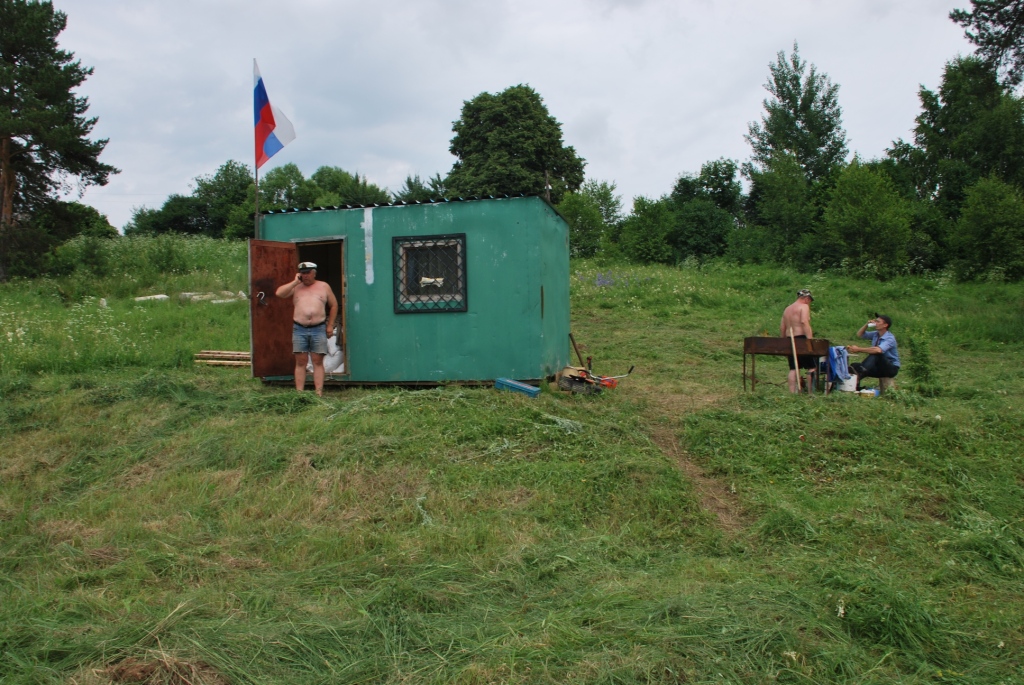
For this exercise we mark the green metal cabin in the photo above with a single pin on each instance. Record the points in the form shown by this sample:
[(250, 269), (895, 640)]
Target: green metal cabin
[(462, 290)]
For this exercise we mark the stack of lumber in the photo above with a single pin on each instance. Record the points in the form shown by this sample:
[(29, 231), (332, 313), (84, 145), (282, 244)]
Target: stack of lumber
[(222, 358)]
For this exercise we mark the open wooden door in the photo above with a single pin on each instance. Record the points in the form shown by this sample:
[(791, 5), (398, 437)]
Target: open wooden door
[(271, 264)]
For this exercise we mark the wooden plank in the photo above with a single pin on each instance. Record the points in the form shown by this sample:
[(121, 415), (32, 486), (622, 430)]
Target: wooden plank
[(222, 362), (244, 356), (782, 347)]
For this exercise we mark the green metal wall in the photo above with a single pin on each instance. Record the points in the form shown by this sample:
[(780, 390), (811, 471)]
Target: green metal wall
[(515, 247)]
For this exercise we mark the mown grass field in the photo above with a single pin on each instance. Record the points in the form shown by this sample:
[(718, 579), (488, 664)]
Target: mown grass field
[(163, 523)]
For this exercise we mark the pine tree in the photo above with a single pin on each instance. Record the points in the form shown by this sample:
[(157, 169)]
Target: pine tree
[(44, 132), (997, 28)]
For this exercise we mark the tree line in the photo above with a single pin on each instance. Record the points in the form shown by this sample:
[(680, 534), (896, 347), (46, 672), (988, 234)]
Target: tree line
[(950, 197), (504, 143)]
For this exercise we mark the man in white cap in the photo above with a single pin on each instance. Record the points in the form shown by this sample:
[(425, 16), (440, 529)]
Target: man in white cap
[(316, 308), (796, 322)]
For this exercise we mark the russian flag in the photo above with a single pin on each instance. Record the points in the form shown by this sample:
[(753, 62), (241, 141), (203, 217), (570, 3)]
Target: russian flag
[(273, 130)]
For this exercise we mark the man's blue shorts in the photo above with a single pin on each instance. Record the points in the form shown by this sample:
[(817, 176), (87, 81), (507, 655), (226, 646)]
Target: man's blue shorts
[(309, 338)]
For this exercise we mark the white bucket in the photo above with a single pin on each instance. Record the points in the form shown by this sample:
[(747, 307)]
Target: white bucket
[(849, 385)]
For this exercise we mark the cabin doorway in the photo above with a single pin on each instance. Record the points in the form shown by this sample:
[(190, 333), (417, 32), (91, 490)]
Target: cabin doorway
[(272, 264), (329, 257)]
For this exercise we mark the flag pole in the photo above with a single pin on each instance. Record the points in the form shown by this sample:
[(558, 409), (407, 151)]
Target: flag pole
[(256, 216), (256, 170)]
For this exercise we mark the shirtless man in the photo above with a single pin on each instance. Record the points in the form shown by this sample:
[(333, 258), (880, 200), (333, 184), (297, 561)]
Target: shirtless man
[(309, 328), (797, 318)]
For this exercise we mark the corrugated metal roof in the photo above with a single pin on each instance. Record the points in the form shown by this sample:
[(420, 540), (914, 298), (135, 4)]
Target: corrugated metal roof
[(395, 204)]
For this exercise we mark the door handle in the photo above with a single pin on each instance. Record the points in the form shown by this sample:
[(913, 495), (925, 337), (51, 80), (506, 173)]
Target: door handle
[(261, 298)]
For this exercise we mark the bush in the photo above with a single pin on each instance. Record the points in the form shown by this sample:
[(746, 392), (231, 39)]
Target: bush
[(989, 237), (782, 209), (919, 366), (866, 219), (644, 235), (701, 230), (586, 226)]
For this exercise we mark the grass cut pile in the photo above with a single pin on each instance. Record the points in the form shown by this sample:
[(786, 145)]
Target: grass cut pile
[(161, 523)]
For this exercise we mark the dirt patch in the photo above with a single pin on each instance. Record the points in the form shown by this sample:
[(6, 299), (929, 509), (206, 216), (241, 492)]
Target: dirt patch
[(674, 402), (107, 555), (158, 669), (67, 531), (251, 564), (228, 481), (714, 496), (141, 474), (163, 525)]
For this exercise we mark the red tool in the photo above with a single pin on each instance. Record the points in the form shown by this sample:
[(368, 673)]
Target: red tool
[(583, 379), (603, 381)]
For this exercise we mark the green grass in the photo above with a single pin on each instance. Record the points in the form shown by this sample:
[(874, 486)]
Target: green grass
[(196, 526)]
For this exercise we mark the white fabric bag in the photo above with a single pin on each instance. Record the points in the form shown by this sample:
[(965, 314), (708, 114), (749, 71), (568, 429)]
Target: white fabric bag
[(334, 360)]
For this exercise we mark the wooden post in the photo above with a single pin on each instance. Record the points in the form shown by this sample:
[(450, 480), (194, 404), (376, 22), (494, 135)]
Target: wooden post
[(796, 359)]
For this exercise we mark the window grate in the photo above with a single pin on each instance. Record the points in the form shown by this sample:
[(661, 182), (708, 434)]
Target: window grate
[(430, 274)]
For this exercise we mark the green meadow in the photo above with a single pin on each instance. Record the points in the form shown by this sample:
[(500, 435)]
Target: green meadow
[(162, 522)]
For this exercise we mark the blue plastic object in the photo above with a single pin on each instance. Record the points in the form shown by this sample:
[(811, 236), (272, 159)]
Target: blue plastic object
[(516, 386)]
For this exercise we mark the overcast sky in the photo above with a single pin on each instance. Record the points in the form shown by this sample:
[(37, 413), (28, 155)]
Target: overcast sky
[(645, 89)]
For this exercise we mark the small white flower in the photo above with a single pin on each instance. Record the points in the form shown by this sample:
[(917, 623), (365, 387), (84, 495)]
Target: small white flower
[(841, 609)]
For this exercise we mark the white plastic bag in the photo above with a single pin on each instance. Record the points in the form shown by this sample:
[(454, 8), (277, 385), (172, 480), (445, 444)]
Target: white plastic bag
[(334, 362)]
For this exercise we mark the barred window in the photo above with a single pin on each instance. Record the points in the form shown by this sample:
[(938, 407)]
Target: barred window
[(430, 274)]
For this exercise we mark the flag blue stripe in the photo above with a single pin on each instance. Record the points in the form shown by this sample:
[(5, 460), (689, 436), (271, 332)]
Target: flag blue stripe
[(260, 100), (272, 146)]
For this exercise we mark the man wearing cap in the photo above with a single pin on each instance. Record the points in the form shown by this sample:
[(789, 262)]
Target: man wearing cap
[(796, 322), (883, 359), (312, 321)]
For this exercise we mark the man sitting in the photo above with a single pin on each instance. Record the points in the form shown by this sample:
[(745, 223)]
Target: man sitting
[(883, 359)]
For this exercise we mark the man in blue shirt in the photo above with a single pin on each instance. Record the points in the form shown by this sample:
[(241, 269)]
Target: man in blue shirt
[(883, 359)]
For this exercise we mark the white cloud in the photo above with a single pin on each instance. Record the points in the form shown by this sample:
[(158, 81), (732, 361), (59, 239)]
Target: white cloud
[(645, 89)]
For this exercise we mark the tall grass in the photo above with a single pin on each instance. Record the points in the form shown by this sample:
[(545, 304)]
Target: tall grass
[(88, 318), (168, 524), (142, 265)]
